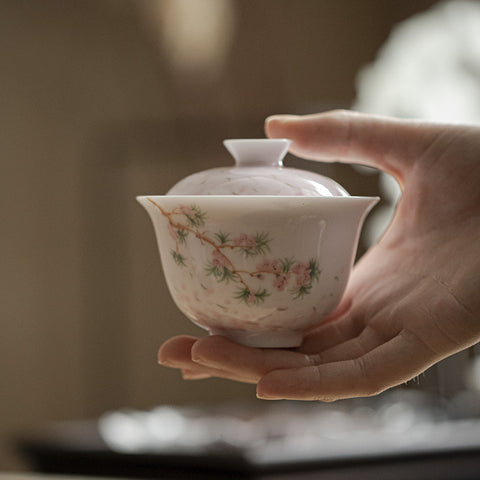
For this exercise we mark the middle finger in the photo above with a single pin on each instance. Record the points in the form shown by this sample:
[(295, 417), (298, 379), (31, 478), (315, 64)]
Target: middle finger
[(250, 363)]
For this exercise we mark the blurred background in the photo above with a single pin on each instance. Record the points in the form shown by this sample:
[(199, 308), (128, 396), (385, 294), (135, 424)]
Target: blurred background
[(103, 100)]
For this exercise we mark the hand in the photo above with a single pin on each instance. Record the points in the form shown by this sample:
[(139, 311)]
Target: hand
[(412, 300)]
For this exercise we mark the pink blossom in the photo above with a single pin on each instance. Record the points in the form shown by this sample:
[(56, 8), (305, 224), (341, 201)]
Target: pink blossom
[(186, 210), (269, 266), (301, 268), (220, 260), (303, 279), (245, 241), (263, 266), (251, 297), (280, 281), (173, 233)]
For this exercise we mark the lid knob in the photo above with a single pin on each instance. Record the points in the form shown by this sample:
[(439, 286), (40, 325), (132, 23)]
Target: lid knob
[(258, 151)]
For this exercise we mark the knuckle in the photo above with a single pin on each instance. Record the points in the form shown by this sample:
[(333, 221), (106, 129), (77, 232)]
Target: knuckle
[(314, 359), (362, 369)]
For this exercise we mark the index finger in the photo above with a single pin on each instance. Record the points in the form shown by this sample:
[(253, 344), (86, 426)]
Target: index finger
[(392, 145)]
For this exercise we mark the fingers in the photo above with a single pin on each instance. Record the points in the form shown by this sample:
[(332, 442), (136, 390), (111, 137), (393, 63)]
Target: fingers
[(390, 364), (176, 353), (217, 356), (332, 333), (353, 348), (358, 367), (389, 144), (219, 353)]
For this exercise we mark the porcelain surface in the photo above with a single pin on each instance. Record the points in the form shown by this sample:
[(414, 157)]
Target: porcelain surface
[(258, 269), (258, 170)]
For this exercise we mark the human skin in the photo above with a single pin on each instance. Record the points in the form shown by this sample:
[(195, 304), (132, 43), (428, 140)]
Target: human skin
[(413, 298)]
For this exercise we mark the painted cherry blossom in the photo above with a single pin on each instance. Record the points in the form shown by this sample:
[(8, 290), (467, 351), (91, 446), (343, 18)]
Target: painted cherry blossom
[(186, 210), (245, 241), (281, 281), (303, 279), (251, 297), (284, 274), (269, 266), (299, 268)]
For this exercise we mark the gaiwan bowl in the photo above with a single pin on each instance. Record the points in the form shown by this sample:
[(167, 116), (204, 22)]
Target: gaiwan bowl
[(258, 269)]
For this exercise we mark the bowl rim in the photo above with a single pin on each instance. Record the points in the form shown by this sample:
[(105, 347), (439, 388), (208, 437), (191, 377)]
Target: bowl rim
[(256, 197)]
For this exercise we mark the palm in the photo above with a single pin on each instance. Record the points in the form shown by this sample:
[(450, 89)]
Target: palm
[(411, 299)]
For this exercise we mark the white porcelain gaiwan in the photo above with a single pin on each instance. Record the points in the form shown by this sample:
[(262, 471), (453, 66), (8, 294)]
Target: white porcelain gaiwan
[(257, 252)]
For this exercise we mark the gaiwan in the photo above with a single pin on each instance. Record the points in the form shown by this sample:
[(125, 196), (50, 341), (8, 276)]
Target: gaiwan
[(257, 252)]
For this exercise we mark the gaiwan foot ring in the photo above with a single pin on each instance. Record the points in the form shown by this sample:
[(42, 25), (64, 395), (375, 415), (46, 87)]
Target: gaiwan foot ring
[(265, 339)]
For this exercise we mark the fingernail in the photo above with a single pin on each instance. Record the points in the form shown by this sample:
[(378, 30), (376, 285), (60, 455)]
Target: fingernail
[(167, 364), (193, 375), (187, 375), (196, 359), (202, 361), (265, 396), (281, 118)]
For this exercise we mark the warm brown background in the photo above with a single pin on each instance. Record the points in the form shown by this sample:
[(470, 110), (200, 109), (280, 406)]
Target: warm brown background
[(91, 115)]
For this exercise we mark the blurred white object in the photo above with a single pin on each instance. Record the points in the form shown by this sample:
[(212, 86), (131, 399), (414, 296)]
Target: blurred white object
[(396, 423), (429, 68)]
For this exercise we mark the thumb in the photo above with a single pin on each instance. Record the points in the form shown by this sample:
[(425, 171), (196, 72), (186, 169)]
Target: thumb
[(389, 144)]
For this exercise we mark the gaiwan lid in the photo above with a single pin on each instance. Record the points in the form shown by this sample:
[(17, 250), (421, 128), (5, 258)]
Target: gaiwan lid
[(258, 170)]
